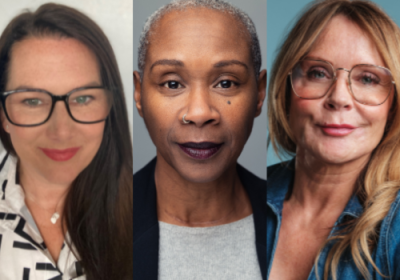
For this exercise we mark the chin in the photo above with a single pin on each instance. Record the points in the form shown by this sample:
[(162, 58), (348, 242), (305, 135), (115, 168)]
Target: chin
[(200, 175), (337, 155), (60, 176)]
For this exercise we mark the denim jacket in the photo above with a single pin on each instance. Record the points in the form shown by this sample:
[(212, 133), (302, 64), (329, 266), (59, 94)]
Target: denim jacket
[(386, 253)]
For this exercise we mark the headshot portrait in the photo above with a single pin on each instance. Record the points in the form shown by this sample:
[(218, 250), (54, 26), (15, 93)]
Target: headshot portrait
[(199, 85), (66, 147), (333, 176)]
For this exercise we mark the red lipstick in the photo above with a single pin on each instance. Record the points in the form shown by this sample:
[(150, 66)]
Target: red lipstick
[(60, 155), (202, 150), (337, 130)]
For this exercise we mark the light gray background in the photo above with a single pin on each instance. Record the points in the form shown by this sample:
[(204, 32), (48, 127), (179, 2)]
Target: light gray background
[(115, 17), (254, 153), (282, 15)]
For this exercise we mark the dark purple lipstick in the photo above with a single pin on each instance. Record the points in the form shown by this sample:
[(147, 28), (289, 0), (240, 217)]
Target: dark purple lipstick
[(202, 150)]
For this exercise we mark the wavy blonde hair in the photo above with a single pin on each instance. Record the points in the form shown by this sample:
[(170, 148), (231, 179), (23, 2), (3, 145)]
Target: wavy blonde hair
[(380, 180)]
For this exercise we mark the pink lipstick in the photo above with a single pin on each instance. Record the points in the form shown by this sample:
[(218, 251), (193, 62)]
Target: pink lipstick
[(337, 130), (202, 150), (60, 155)]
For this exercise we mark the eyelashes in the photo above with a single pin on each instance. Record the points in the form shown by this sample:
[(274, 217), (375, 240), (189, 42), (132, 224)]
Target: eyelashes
[(172, 85), (224, 84)]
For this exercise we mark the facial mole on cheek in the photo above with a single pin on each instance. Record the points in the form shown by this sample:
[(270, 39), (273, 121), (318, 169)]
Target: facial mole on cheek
[(229, 102)]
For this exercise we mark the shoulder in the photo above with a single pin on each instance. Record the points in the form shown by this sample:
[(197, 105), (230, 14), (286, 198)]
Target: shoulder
[(250, 180), (280, 174), (390, 228), (144, 175), (8, 178), (255, 187), (392, 220), (144, 200), (280, 169)]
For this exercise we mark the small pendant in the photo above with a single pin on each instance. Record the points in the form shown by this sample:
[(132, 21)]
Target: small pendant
[(54, 218)]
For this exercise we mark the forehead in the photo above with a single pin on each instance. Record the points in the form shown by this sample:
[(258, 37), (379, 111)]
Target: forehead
[(345, 44), (52, 63), (198, 32)]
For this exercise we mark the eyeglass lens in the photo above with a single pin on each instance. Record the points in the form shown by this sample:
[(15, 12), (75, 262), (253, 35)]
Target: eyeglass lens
[(369, 84), (30, 108)]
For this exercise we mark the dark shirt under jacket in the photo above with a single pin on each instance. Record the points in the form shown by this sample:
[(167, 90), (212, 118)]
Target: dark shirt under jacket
[(146, 232)]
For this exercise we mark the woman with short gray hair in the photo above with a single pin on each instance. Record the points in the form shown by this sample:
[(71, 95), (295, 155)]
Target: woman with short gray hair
[(197, 213)]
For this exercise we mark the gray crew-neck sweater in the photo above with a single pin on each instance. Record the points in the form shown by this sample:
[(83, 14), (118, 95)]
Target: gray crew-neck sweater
[(225, 252)]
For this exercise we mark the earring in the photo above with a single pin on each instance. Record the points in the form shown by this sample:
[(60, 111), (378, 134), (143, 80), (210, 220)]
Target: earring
[(6, 126), (183, 119)]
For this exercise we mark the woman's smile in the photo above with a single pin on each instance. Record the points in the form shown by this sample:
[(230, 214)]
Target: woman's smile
[(57, 66), (60, 155), (337, 130)]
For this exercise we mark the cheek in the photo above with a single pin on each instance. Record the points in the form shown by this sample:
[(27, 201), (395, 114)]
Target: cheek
[(238, 116), (376, 118), (22, 138), (94, 131), (91, 136), (160, 114), (301, 112)]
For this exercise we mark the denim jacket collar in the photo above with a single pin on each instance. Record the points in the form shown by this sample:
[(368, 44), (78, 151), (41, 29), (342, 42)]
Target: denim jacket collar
[(280, 181), (385, 254)]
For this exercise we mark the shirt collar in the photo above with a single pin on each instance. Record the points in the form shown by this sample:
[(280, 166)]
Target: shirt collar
[(281, 179), (11, 191)]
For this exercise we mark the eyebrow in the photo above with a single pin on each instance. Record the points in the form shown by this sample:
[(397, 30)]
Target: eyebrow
[(91, 84), (319, 58), (225, 63), (170, 62), (221, 64)]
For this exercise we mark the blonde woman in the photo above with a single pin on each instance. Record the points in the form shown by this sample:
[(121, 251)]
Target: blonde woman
[(333, 211)]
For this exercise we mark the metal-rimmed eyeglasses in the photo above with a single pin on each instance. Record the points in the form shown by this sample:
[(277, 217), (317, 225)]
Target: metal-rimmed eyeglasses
[(33, 107), (368, 84)]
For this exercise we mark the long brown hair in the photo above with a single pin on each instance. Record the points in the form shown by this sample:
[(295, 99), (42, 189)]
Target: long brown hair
[(98, 207), (380, 181)]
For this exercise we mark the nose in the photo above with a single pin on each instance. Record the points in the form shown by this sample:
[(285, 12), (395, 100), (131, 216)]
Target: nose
[(60, 124), (339, 96), (200, 110)]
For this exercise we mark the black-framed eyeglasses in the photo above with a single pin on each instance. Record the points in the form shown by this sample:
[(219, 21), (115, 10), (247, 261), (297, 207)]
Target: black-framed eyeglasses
[(369, 84), (33, 107)]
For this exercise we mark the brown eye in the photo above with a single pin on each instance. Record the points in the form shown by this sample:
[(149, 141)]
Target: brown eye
[(172, 85), (226, 84)]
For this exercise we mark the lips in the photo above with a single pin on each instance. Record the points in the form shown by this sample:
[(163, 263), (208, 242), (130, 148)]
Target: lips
[(202, 150), (60, 155), (337, 130)]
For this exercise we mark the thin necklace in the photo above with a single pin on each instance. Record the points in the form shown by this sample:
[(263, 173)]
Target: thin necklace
[(54, 218), (55, 215)]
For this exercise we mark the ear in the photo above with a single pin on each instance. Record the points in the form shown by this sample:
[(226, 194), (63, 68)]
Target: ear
[(138, 92), (262, 88)]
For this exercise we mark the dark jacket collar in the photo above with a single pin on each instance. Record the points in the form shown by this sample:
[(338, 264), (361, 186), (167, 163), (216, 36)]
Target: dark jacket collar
[(145, 222)]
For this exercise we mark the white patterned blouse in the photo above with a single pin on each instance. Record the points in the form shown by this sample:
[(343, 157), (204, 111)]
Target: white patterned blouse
[(23, 254)]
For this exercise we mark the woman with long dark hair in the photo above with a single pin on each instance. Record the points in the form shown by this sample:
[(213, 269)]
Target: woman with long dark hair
[(66, 195)]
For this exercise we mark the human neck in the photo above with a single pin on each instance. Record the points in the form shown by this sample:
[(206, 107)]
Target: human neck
[(41, 192), (192, 204), (320, 187)]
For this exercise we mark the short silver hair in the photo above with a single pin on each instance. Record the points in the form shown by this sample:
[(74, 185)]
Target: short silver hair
[(218, 5)]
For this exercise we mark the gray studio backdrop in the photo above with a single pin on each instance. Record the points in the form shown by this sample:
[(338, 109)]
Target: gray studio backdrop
[(282, 16), (114, 17), (254, 153)]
